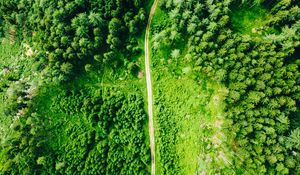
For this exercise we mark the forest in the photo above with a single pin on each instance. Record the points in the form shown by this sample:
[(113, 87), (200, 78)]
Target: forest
[(225, 79), (72, 34), (54, 120)]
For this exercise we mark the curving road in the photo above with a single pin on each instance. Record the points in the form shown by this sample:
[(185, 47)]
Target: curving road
[(149, 88)]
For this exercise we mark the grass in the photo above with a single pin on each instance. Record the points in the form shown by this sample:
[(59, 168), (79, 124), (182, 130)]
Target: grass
[(188, 107), (251, 20), (196, 111), (7, 51), (183, 99)]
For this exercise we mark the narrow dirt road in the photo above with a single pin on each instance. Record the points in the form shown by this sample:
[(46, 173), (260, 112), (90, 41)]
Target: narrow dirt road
[(149, 88)]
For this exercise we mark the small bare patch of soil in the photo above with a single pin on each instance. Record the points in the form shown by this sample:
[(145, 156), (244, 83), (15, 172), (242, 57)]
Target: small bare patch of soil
[(141, 74), (12, 36), (29, 51), (218, 124)]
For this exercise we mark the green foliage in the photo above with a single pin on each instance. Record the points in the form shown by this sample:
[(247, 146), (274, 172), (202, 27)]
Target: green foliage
[(84, 131), (293, 141), (250, 47), (24, 147), (103, 135), (7, 51), (261, 74), (251, 20), (187, 141), (73, 32)]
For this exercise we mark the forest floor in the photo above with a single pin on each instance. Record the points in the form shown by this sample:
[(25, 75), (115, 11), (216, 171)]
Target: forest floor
[(149, 88)]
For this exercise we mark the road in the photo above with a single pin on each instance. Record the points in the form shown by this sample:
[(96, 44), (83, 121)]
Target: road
[(149, 88)]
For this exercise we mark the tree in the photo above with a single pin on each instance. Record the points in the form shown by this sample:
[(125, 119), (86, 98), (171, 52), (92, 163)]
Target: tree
[(95, 19), (115, 27), (82, 31), (175, 53), (191, 29), (88, 67), (174, 36), (293, 140), (66, 68)]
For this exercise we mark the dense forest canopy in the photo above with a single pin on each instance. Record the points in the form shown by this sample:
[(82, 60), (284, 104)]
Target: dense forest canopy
[(73, 33)]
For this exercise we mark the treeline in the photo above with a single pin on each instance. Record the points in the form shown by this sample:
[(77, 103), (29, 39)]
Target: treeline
[(261, 73), (100, 135), (74, 33)]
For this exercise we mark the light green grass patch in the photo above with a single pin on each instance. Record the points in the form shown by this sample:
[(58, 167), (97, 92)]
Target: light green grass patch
[(251, 20), (197, 112), (159, 18), (7, 52)]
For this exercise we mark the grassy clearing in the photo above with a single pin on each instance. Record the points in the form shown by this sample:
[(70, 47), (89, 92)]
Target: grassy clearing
[(189, 114), (251, 20), (184, 100), (195, 110)]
